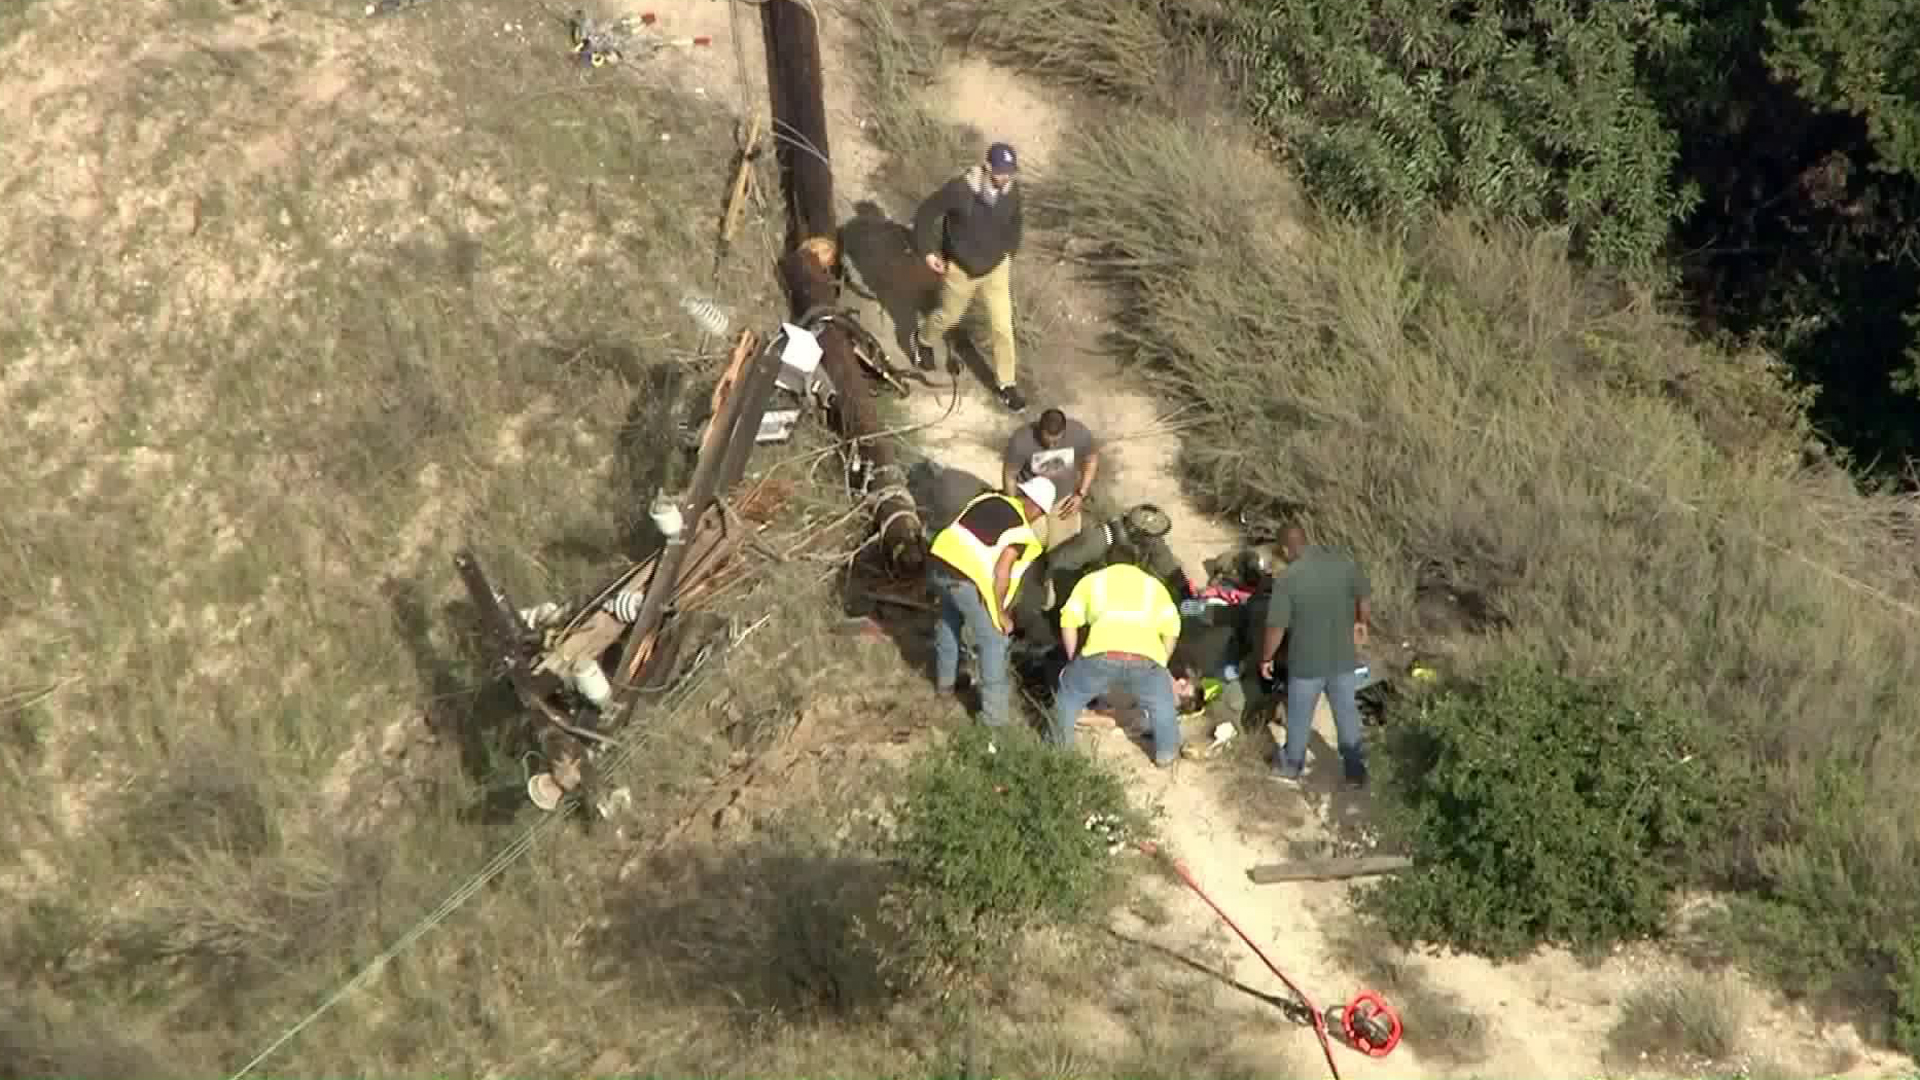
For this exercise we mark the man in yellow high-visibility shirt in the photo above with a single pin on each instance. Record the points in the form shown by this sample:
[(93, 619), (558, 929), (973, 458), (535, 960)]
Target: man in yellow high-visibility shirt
[(976, 568), (1131, 627)]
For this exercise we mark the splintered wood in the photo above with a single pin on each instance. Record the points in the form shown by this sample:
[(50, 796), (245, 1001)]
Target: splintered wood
[(543, 661), (742, 181), (693, 557), (713, 544)]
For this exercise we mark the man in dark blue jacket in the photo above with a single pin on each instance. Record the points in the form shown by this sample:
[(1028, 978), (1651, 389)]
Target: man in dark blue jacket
[(968, 233)]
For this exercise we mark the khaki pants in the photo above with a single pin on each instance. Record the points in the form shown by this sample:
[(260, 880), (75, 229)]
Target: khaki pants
[(1056, 529), (957, 290)]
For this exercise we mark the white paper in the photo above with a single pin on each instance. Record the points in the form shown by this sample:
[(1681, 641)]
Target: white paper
[(803, 349), (777, 426)]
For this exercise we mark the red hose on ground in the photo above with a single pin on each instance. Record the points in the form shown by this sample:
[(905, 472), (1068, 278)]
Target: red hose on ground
[(1319, 1021)]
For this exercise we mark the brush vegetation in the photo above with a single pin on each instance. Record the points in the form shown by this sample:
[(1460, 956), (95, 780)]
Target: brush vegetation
[(251, 739), (1000, 833), (1689, 1016), (1481, 416), (1545, 809)]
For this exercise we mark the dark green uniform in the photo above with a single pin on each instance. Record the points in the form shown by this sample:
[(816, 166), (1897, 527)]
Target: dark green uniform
[(1065, 565), (1314, 603)]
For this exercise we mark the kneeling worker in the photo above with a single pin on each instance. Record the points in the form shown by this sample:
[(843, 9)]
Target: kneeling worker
[(1131, 627), (976, 567)]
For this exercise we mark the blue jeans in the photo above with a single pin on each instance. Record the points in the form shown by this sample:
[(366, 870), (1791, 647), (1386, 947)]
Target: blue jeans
[(1302, 696), (1089, 677), (963, 608)]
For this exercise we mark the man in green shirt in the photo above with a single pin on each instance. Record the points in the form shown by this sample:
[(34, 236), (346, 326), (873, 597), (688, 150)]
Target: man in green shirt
[(1323, 607)]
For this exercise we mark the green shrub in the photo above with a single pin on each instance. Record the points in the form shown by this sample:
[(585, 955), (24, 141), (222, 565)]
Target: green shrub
[(1472, 416), (1825, 909), (993, 839), (1542, 809), (1529, 110), (1905, 986)]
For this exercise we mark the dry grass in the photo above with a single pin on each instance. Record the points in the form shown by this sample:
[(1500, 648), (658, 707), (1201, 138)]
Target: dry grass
[(1476, 416), (1469, 416), (14, 19), (898, 58), (1120, 50), (1690, 1017), (261, 389)]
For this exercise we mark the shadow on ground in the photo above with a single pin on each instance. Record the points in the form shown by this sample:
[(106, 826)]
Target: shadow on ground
[(469, 701), (1287, 1007), (879, 252), (903, 611), (1438, 1024), (752, 930)]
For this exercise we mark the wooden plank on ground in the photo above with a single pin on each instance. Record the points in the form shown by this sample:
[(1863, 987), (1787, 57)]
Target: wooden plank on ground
[(1328, 869)]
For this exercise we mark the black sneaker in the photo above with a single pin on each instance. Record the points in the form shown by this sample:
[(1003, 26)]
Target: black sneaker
[(922, 355), (1013, 399)]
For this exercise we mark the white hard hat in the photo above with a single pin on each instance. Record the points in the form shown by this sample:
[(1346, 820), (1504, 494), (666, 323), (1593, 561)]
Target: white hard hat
[(1040, 490)]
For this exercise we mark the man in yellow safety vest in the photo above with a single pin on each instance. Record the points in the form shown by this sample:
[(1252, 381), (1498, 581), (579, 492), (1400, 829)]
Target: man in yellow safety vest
[(976, 567), (1131, 627)]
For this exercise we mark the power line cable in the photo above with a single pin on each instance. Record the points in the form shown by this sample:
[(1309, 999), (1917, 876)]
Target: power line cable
[(494, 867)]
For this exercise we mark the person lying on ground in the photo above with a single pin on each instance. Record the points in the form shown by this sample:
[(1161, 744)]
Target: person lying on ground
[(1063, 451), (1118, 628), (1215, 664), (976, 565)]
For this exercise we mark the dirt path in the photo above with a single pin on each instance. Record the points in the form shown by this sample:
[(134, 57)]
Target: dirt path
[(1549, 1016)]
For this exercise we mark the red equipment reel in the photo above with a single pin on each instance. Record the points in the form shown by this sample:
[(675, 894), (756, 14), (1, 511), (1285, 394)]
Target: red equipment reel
[(1371, 1025)]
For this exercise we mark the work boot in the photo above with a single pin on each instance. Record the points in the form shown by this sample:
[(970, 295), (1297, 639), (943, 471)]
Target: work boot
[(1012, 399)]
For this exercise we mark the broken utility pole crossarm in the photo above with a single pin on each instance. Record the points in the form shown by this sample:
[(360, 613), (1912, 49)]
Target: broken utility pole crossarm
[(709, 481)]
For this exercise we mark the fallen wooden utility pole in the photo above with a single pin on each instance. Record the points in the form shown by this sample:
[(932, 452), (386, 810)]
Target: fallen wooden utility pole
[(1328, 869), (812, 286), (809, 271), (734, 401), (799, 118)]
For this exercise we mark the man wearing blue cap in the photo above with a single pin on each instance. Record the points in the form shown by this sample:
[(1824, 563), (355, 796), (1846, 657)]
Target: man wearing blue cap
[(968, 232)]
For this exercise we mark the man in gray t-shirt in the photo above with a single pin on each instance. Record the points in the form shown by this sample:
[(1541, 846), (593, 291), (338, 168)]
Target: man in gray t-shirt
[(1064, 452)]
